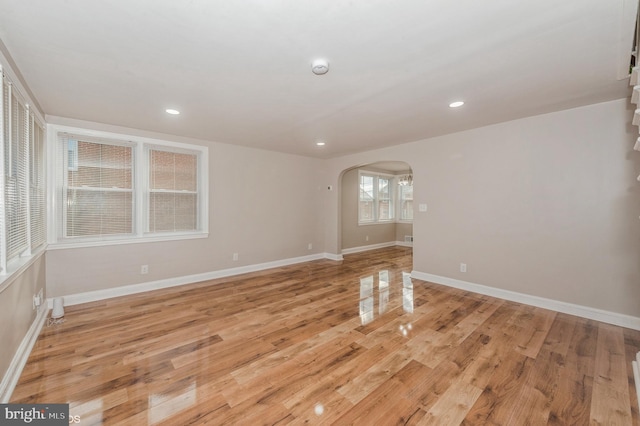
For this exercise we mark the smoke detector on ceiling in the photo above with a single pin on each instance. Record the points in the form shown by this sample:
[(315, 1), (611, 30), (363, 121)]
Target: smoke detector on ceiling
[(320, 66)]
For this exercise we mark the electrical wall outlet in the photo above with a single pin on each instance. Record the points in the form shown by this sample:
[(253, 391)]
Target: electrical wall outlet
[(310, 246), (463, 267), (235, 256), (144, 269)]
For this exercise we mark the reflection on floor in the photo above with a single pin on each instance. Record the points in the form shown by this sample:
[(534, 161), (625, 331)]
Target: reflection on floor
[(367, 295), (352, 342)]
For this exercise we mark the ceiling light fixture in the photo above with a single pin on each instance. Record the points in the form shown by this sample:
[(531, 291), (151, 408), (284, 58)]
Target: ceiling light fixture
[(320, 66), (320, 143), (406, 180), (456, 104), (172, 111)]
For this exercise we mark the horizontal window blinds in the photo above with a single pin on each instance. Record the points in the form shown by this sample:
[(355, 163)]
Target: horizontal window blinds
[(114, 189), (173, 191), (37, 183), (15, 168), (22, 177), (98, 187), (406, 202)]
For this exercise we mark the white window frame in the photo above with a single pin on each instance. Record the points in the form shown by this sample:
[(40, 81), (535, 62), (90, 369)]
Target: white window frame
[(376, 199), (399, 204), (14, 265), (395, 199), (141, 146)]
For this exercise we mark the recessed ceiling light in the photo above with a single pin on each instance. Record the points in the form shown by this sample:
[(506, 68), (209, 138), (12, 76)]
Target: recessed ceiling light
[(320, 143), (456, 104), (172, 111)]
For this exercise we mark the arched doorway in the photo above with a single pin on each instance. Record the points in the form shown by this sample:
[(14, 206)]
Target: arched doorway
[(376, 206)]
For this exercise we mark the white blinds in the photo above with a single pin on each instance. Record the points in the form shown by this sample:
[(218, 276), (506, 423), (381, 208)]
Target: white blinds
[(366, 199), (37, 183), (406, 202), (173, 191), (98, 187), (15, 169), (385, 199), (113, 188), (22, 177)]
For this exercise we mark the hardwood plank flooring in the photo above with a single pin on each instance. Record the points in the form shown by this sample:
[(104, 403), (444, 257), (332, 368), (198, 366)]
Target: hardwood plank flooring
[(328, 342)]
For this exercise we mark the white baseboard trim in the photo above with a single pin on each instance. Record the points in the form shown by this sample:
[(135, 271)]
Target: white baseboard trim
[(609, 317), (636, 375), (11, 377), (332, 256), (93, 296), (404, 244), (367, 248)]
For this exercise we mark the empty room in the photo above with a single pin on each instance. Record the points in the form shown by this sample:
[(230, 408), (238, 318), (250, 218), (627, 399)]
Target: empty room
[(306, 212)]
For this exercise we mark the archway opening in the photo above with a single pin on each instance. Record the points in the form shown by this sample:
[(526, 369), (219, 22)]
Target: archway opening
[(376, 206)]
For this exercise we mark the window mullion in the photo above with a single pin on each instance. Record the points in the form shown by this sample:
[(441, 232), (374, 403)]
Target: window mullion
[(140, 189)]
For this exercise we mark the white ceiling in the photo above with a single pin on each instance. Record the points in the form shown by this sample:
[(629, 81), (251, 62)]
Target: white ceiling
[(239, 71)]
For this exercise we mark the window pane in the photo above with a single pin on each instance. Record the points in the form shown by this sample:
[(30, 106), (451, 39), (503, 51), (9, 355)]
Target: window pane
[(406, 200), (16, 179), (173, 171), (99, 195), (385, 202), (101, 166), (173, 197), (366, 199), (171, 211), (98, 212), (37, 184)]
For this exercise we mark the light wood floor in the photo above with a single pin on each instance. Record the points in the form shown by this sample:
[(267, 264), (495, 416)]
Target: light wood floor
[(330, 342)]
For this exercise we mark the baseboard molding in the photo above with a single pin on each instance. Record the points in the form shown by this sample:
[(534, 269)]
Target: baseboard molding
[(93, 296), (636, 375), (609, 317), (367, 248), (332, 256), (11, 377), (404, 243)]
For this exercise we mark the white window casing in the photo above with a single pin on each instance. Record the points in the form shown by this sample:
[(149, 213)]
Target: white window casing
[(22, 181), (113, 189)]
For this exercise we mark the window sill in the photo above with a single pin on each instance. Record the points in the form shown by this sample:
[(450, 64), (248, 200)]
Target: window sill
[(63, 245), (388, 222), (19, 265)]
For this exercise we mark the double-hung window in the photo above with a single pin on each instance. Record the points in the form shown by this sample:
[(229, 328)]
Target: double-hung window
[(173, 191), (376, 198), (98, 187), (116, 188), (405, 200), (22, 200), (384, 198)]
